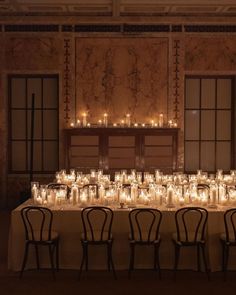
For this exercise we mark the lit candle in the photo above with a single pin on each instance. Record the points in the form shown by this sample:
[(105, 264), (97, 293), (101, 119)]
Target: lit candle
[(161, 120), (152, 123), (122, 122), (128, 122), (72, 125), (78, 123), (170, 123), (100, 122), (143, 125), (105, 119), (88, 125), (114, 124), (135, 124), (84, 119)]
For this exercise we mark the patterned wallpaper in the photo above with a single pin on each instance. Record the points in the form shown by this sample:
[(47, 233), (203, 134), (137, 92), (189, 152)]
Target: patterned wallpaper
[(120, 76), (210, 54)]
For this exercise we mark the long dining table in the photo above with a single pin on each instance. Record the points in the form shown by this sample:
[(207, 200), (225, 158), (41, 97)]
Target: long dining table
[(67, 222)]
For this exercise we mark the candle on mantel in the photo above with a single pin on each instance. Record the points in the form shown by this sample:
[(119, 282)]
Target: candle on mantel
[(135, 124), (143, 125), (100, 123), (105, 119), (114, 125), (88, 125), (84, 119), (72, 125), (78, 123), (122, 123), (170, 123), (161, 120), (128, 121), (152, 123)]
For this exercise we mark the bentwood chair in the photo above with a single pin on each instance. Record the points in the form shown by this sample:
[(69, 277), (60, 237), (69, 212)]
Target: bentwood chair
[(190, 232), (144, 231), (58, 186), (97, 225), (38, 232), (228, 238)]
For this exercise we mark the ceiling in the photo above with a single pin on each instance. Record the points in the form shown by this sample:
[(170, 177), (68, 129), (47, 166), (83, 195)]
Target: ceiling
[(118, 8)]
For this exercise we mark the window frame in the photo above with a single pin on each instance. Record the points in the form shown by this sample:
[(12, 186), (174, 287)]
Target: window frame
[(10, 78), (215, 109)]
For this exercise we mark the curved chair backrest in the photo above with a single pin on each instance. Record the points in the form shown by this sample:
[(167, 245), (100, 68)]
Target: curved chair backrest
[(230, 224), (58, 186), (191, 224), (97, 223), (145, 224), (37, 223)]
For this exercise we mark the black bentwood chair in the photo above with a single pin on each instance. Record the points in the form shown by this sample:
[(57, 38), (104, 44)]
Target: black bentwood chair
[(97, 224), (190, 225), (228, 238), (144, 231), (38, 232)]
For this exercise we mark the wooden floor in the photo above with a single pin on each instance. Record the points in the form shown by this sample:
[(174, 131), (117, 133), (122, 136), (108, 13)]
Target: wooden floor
[(102, 282)]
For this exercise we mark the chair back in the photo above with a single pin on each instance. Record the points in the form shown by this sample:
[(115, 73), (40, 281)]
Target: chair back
[(191, 224), (145, 224), (230, 225), (37, 223), (58, 186), (97, 223)]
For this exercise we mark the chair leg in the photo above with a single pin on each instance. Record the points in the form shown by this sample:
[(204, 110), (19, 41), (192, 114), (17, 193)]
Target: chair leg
[(198, 258), (226, 260), (86, 257), (50, 250), (223, 257), (205, 261), (132, 255), (57, 255), (37, 256), (83, 260), (177, 253), (110, 259), (156, 259), (24, 259)]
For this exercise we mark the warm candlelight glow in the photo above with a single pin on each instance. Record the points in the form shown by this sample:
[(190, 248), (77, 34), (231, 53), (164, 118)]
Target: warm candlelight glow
[(114, 124), (78, 122), (72, 124)]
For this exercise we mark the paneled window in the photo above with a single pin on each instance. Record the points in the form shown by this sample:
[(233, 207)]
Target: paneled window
[(46, 130), (208, 123)]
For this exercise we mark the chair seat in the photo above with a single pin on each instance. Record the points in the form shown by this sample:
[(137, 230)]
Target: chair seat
[(191, 238), (152, 239), (54, 236), (97, 236), (231, 238)]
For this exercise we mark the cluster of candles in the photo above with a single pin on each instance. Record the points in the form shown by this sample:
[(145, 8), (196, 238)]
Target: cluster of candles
[(139, 189), (126, 122)]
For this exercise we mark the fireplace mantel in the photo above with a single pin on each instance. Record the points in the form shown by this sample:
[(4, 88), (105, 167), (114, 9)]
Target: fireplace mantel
[(117, 148)]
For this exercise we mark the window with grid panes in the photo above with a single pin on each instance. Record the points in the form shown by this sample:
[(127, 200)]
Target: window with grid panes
[(46, 128), (208, 123)]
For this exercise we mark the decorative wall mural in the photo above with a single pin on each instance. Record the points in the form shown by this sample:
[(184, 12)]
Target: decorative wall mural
[(120, 76), (210, 54), (32, 53)]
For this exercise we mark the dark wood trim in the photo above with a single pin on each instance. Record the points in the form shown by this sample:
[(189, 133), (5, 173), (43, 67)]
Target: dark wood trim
[(139, 146)]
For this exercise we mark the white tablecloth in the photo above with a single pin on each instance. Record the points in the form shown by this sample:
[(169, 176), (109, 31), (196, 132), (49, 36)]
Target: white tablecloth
[(67, 222)]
